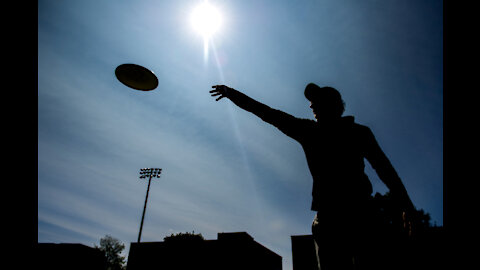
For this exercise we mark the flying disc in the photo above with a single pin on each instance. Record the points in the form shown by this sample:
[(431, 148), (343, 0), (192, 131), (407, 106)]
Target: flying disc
[(136, 77)]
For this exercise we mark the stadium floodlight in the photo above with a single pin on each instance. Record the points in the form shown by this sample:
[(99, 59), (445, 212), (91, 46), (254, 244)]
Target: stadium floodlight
[(150, 173)]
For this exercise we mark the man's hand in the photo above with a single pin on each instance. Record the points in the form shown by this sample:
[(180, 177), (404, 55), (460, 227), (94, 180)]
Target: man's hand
[(220, 90)]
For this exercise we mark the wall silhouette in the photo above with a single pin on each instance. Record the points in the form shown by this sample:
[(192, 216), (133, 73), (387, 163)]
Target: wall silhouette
[(230, 251)]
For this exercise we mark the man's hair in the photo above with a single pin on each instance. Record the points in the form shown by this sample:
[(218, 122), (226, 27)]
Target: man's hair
[(314, 93), (336, 98)]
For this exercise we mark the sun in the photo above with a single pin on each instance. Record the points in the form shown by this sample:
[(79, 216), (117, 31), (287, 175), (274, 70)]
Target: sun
[(206, 19)]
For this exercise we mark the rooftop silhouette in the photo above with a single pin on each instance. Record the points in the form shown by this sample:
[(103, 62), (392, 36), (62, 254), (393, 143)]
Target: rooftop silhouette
[(237, 250)]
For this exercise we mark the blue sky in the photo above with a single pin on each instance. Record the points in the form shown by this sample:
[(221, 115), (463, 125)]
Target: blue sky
[(224, 170)]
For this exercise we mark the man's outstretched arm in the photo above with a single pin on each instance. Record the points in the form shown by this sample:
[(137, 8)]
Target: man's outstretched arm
[(241, 100), (283, 121)]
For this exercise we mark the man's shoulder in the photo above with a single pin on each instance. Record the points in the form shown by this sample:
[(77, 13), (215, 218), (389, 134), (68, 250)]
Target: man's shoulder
[(361, 126), (355, 125), (307, 124)]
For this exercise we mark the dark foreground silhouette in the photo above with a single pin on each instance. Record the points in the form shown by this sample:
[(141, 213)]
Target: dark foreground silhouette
[(345, 228)]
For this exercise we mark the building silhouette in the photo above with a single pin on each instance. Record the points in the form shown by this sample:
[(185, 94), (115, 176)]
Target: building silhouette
[(230, 251), (68, 256)]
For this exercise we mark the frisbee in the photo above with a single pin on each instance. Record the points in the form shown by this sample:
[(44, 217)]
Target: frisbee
[(136, 77)]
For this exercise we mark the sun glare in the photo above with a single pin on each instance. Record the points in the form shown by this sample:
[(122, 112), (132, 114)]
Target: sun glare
[(206, 19)]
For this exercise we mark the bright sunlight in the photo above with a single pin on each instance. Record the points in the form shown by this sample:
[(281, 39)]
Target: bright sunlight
[(206, 19)]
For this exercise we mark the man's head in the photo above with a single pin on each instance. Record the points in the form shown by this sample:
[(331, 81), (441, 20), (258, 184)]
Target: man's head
[(326, 102)]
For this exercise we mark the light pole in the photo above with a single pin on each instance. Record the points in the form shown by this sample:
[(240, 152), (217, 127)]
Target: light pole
[(144, 173)]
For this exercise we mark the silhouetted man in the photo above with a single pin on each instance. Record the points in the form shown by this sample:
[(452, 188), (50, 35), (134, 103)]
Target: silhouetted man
[(335, 148)]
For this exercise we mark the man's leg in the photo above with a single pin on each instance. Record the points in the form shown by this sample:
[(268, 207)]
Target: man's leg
[(332, 249), (316, 253)]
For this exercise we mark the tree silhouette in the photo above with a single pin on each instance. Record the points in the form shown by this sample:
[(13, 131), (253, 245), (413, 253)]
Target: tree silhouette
[(389, 216), (183, 237), (111, 248)]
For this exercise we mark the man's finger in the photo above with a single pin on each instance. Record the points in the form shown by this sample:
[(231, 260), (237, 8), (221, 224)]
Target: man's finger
[(215, 92), (220, 97)]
